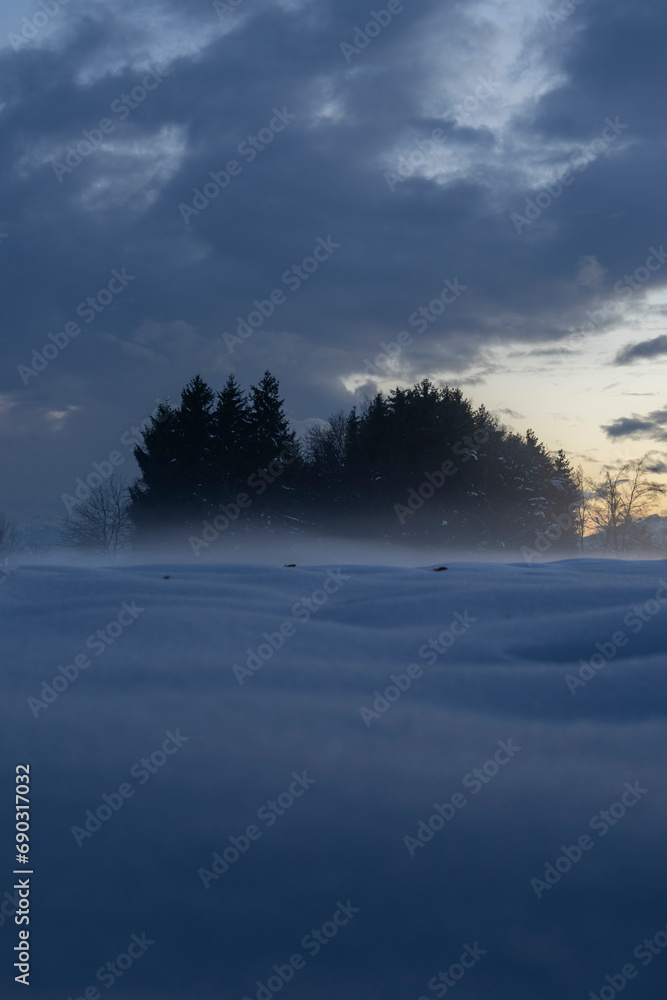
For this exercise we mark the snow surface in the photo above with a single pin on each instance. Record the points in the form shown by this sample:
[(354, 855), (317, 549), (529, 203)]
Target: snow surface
[(503, 679)]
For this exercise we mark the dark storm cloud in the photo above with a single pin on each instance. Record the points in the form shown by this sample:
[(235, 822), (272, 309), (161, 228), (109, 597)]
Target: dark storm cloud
[(644, 349), (611, 54), (197, 273), (653, 426)]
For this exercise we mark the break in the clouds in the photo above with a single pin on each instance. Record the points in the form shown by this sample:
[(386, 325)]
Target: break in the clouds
[(210, 152)]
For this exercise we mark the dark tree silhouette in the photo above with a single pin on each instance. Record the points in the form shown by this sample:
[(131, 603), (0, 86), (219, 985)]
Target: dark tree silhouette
[(101, 522), (620, 501), (270, 432), (230, 452), (194, 442), (419, 464), (155, 496)]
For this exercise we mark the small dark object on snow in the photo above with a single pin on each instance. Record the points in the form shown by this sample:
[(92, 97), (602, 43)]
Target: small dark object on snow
[(288, 565), (439, 569)]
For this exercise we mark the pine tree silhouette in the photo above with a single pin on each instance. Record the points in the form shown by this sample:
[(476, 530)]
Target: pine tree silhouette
[(194, 434), (501, 488), (154, 495), (231, 449), (270, 432)]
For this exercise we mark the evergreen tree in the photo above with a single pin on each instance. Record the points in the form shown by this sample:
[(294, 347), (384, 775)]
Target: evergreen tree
[(230, 450), (270, 432), (353, 465), (154, 495), (374, 444), (501, 489), (194, 434)]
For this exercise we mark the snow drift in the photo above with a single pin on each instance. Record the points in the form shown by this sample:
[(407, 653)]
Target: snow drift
[(329, 782)]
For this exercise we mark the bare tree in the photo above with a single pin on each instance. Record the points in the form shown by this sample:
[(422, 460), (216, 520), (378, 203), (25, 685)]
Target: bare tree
[(621, 500), (581, 509), (101, 522), (326, 440), (8, 530)]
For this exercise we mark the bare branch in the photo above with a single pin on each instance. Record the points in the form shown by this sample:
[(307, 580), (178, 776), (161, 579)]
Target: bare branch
[(101, 522), (619, 502)]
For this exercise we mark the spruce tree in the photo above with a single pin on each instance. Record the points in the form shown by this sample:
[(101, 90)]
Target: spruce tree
[(194, 432), (502, 489), (270, 432), (274, 454), (231, 450), (154, 495)]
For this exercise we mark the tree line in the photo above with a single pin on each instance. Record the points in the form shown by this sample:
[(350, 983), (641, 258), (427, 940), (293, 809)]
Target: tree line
[(418, 465)]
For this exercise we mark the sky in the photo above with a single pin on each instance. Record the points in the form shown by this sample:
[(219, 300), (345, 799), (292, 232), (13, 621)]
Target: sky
[(285, 184)]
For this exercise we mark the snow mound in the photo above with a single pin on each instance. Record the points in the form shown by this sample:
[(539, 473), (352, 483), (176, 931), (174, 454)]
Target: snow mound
[(370, 768)]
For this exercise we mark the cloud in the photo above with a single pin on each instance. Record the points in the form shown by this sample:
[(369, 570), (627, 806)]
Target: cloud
[(514, 106), (644, 349), (555, 352), (590, 273), (506, 411), (657, 462), (654, 426)]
